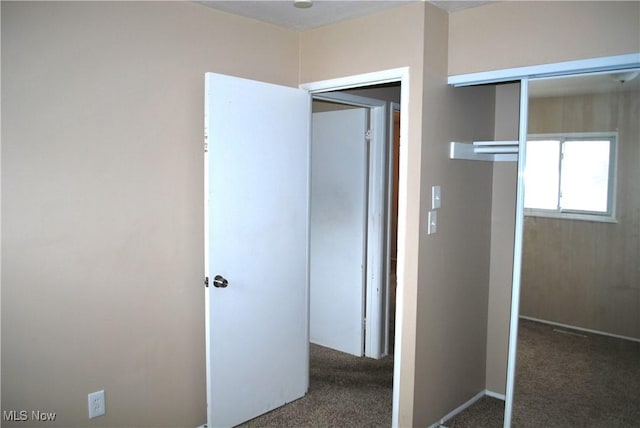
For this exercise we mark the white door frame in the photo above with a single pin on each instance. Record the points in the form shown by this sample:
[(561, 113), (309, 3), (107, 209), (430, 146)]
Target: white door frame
[(393, 107), (374, 308), (523, 74), (368, 79)]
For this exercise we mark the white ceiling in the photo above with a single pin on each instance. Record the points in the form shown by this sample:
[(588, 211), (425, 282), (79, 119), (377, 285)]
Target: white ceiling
[(323, 12)]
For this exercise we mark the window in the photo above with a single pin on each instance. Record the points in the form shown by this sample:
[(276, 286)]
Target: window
[(571, 176)]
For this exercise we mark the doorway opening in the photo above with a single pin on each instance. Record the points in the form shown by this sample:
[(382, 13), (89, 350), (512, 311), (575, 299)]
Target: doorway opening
[(354, 200), (375, 187), (340, 384), (370, 83)]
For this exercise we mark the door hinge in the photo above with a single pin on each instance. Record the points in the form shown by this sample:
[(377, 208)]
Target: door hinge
[(368, 135), (206, 281)]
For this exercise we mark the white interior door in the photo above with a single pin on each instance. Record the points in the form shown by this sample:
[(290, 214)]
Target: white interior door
[(256, 240), (338, 229)]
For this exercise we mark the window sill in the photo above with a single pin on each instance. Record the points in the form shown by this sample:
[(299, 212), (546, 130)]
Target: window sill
[(570, 216)]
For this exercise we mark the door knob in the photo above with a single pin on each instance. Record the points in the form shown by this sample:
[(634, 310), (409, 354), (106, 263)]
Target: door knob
[(220, 282)]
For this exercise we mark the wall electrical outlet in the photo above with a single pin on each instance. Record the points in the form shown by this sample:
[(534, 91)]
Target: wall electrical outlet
[(97, 405)]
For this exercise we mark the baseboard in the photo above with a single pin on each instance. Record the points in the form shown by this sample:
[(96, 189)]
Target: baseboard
[(467, 404), (458, 409), (495, 395), (586, 330)]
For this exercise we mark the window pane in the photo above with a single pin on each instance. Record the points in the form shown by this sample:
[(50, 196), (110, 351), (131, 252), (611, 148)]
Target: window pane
[(541, 174), (585, 175)]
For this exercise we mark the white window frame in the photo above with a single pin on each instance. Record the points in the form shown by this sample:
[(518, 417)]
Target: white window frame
[(610, 215)]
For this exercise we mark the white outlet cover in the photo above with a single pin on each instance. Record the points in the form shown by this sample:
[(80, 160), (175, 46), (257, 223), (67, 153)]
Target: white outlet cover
[(97, 406)]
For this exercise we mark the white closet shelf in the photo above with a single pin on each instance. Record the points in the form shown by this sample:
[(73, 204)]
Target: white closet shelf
[(492, 151)]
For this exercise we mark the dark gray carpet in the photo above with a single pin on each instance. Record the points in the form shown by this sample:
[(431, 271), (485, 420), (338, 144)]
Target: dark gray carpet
[(563, 380), (566, 380), (344, 391)]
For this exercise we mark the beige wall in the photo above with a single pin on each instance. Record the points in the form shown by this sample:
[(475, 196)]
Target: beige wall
[(503, 215), (585, 273), (102, 245), (454, 263), (102, 198), (518, 33)]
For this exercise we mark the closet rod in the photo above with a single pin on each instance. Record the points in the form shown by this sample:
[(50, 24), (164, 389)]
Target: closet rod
[(492, 151), (509, 149), (495, 143)]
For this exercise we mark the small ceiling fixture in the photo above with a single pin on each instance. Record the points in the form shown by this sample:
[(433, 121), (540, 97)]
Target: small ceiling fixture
[(303, 4)]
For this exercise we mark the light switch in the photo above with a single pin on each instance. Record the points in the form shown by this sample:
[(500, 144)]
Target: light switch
[(433, 222), (435, 197)]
